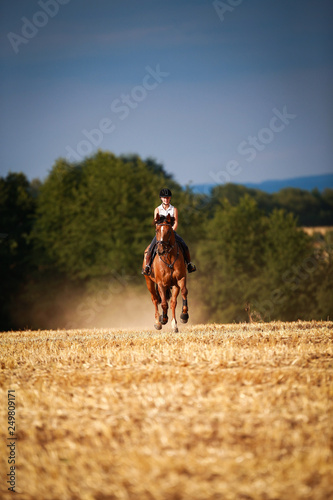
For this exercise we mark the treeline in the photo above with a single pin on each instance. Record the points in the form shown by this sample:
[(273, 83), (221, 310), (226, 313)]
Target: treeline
[(85, 228), (311, 208)]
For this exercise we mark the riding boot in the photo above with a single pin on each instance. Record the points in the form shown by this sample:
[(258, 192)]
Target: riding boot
[(190, 267), (147, 269)]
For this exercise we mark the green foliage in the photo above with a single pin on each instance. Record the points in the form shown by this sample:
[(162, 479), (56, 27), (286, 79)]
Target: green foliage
[(285, 248), (17, 207), (310, 208), (323, 278), (96, 217), (230, 257), (267, 263), (284, 243), (86, 226)]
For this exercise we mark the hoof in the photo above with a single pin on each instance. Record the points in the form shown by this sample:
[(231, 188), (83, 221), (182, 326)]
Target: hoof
[(175, 330), (158, 326), (184, 317), (163, 320)]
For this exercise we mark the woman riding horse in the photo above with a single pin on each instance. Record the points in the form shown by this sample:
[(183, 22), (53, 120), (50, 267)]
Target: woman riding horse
[(161, 211), (168, 275)]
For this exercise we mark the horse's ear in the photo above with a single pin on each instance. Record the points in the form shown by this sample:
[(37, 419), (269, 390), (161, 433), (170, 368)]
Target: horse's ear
[(168, 219)]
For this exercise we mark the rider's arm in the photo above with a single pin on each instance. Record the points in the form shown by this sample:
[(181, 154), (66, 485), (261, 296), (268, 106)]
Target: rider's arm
[(156, 214), (175, 213)]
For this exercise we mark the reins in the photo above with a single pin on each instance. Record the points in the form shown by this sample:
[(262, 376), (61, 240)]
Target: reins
[(170, 266), (169, 248)]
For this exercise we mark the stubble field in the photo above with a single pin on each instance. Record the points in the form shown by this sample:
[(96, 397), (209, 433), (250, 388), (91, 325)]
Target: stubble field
[(240, 411)]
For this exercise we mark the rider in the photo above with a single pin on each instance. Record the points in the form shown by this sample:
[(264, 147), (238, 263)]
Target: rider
[(162, 211)]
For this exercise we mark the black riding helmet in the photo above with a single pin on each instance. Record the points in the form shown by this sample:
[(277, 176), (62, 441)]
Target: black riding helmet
[(165, 192)]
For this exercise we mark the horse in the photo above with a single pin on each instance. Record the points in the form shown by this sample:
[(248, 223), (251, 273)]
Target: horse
[(168, 275)]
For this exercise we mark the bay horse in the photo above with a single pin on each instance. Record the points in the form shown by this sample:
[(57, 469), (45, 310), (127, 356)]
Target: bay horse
[(168, 275)]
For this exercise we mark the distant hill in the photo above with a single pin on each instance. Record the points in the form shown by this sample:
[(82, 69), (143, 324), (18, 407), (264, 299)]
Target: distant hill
[(309, 183)]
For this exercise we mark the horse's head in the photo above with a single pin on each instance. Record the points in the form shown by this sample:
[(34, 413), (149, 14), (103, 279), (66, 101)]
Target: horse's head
[(164, 235)]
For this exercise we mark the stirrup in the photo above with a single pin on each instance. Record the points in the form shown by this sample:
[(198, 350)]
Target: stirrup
[(191, 267), (146, 271)]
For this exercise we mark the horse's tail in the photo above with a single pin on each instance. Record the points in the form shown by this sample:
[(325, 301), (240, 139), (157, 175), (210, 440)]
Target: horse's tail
[(168, 294)]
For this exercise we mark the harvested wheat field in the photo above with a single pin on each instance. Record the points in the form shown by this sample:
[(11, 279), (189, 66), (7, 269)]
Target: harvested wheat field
[(241, 411)]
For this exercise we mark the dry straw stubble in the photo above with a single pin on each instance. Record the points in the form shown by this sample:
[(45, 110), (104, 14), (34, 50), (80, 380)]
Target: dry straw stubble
[(214, 412)]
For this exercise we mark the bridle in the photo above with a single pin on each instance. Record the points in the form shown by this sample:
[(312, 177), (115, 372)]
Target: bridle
[(167, 247), (166, 244)]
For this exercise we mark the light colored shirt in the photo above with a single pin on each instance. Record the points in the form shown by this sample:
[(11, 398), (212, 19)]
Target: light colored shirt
[(170, 210)]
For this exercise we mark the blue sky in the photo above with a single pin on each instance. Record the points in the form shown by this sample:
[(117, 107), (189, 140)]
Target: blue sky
[(236, 91)]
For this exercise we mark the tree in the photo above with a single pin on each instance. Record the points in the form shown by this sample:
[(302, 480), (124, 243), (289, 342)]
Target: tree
[(249, 258), (286, 248), (96, 217), (17, 209), (230, 259)]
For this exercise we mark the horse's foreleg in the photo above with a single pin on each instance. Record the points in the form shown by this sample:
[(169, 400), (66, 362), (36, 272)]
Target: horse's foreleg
[(164, 304), (154, 298), (173, 304), (184, 315)]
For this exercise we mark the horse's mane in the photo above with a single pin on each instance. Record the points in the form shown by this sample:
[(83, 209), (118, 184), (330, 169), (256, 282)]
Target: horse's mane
[(162, 219)]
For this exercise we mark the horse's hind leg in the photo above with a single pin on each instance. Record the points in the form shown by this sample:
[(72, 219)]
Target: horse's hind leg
[(184, 315), (173, 304), (155, 300)]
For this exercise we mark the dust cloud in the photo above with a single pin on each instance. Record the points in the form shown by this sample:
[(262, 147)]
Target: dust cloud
[(129, 309), (114, 307)]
